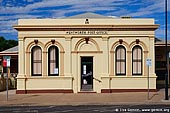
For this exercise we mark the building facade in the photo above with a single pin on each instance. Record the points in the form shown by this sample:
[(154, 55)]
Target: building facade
[(85, 53), (13, 53), (160, 62)]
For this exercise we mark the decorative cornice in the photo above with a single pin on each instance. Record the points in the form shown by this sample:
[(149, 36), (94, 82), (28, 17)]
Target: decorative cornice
[(68, 27)]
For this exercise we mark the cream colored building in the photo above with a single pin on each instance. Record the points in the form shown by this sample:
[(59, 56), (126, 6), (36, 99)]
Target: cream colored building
[(85, 53)]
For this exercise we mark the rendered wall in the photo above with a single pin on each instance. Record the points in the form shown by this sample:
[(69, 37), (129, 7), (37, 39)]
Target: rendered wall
[(72, 47)]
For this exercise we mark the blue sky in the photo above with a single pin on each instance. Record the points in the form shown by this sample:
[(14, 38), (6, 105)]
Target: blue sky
[(12, 10)]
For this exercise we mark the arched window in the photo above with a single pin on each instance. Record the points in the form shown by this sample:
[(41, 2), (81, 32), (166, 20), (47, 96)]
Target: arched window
[(137, 60), (36, 54), (120, 60), (53, 61)]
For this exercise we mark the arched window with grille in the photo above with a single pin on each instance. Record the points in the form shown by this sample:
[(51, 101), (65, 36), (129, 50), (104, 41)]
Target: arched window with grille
[(137, 60), (36, 63), (120, 60), (53, 61)]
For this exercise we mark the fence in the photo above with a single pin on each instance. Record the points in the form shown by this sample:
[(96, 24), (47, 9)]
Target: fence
[(12, 82)]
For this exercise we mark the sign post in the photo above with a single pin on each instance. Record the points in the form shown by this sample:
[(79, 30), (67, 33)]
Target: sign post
[(6, 63), (148, 63)]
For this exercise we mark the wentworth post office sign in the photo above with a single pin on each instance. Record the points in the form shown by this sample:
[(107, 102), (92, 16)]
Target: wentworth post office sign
[(86, 32)]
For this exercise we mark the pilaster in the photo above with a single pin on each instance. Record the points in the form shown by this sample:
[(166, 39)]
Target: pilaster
[(21, 83), (68, 57), (105, 55), (129, 63), (75, 70), (28, 62), (44, 64), (144, 63), (152, 54), (62, 63), (112, 53), (21, 57)]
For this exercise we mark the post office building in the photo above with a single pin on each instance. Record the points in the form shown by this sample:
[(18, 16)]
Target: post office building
[(86, 53)]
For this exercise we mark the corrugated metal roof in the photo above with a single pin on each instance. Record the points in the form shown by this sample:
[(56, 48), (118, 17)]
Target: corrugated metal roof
[(13, 49), (159, 42)]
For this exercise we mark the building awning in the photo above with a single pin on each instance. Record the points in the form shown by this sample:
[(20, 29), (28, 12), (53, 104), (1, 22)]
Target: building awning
[(10, 52), (159, 42)]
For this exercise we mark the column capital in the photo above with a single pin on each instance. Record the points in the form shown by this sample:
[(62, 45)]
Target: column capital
[(151, 37), (105, 37), (129, 52), (45, 52), (20, 39), (28, 52), (146, 51), (68, 38)]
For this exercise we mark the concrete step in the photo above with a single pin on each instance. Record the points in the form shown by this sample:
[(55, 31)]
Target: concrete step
[(87, 87)]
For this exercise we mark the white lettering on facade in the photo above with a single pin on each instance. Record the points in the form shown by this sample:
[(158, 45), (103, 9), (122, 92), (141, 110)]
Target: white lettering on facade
[(86, 32)]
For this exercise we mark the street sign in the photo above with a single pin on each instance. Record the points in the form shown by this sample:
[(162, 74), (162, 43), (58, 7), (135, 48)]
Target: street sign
[(148, 62), (8, 62), (4, 63)]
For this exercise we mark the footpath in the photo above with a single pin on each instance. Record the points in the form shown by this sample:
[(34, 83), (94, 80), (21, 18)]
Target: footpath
[(44, 99)]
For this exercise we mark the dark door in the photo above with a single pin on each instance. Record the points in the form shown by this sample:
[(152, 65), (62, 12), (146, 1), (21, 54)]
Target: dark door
[(86, 73)]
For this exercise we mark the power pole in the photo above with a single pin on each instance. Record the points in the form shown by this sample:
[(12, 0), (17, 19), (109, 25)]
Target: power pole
[(166, 51)]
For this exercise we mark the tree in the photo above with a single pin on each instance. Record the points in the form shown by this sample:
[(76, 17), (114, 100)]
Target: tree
[(6, 44)]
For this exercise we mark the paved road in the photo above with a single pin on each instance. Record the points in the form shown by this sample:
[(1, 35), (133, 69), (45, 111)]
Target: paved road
[(86, 109)]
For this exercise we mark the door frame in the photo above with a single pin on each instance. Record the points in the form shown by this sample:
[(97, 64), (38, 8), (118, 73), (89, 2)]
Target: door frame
[(81, 66)]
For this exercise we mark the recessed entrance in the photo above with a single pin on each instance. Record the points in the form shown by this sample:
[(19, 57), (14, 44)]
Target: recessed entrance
[(86, 73)]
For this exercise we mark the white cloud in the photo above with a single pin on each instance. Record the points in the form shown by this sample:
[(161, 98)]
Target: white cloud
[(29, 0), (6, 26), (16, 17), (156, 6), (7, 23), (109, 7), (160, 32), (75, 4)]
